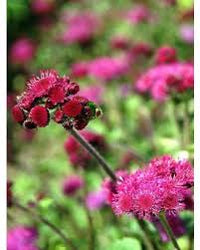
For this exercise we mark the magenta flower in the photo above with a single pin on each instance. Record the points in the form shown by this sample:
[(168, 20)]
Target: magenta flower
[(96, 200), (72, 184), (22, 51), (22, 237), (175, 223), (163, 79), (165, 54), (51, 92), (79, 69), (161, 186), (78, 156), (187, 33), (81, 28), (107, 68)]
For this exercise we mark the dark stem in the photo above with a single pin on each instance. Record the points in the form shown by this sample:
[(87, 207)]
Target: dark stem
[(168, 229), (55, 229), (94, 153)]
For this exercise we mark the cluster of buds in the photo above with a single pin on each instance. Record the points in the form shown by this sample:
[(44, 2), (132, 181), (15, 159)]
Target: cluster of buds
[(50, 96)]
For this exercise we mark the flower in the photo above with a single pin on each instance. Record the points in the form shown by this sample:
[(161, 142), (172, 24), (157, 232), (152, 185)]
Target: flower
[(51, 92), (138, 14), (187, 33), (93, 93), (165, 54), (39, 115), (79, 69), (42, 7), (119, 42), (22, 51), (96, 200), (22, 237), (161, 186), (175, 223), (81, 27), (159, 81), (107, 68), (72, 184), (79, 156)]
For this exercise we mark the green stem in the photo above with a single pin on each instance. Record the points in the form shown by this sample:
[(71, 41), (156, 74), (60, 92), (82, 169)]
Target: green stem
[(55, 229), (94, 153), (168, 229)]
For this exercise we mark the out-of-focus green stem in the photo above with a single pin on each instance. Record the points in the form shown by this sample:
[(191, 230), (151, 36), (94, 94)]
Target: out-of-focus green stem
[(168, 229)]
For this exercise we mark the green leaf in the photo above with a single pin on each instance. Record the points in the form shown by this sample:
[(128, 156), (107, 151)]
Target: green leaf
[(125, 244)]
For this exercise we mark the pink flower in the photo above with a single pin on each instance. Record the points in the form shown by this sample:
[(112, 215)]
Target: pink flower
[(42, 7), (163, 79), (187, 33), (22, 51), (79, 69), (107, 68), (161, 186), (22, 237), (138, 14), (93, 93), (72, 184), (96, 200), (81, 27), (120, 42)]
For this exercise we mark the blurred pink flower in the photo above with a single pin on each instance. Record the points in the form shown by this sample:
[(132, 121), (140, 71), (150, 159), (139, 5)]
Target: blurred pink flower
[(93, 93), (138, 14), (107, 68), (81, 28), (42, 6), (79, 69), (165, 54), (187, 33), (22, 51), (96, 200), (22, 237), (72, 184)]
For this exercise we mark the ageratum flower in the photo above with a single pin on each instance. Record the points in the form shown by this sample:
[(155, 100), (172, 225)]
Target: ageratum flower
[(22, 237), (162, 80), (78, 156), (51, 96), (161, 186)]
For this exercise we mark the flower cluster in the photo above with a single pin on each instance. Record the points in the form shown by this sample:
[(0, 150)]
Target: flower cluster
[(138, 14), (165, 54), (161, 186), (164, 79), (81, 28), (22, 238), (72, 184), (78, 156), (51, 96)]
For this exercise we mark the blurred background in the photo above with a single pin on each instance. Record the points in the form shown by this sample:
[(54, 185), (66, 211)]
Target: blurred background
[(105, 46)]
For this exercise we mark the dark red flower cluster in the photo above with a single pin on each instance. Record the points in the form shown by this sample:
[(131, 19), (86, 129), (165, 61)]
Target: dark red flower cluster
[(161, 186), (165, 54), (52, 96), (78, 156)]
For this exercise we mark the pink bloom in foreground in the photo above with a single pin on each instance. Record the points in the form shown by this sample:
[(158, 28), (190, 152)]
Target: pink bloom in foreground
[(107, 68), (159, 81), (22, 238), (161, 186), (96, 200), (22, 51), (72, 184)]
